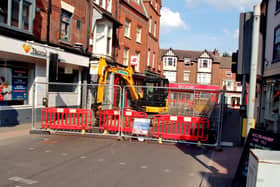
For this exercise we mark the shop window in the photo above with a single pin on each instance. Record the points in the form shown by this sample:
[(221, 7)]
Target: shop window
[(18, 15), (15, 82), (62, 77), (272, 107), (65, 23)]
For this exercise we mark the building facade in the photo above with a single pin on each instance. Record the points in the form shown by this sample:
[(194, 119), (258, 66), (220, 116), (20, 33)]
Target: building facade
[(202, 68), (271, 64), (45, 41)]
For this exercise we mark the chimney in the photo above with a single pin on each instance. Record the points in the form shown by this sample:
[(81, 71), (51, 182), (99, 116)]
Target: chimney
[(216, 52)]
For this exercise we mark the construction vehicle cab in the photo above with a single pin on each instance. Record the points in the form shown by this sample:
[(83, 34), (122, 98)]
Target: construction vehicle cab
[(152, 99)]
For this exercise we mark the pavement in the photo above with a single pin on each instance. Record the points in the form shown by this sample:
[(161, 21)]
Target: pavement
[(217, 168)]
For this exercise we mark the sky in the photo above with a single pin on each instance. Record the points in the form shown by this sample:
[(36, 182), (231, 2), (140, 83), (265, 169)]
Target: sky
[(202, 24)]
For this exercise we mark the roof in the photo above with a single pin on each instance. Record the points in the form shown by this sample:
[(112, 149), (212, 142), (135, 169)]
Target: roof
[(181, 54), (194, 55)]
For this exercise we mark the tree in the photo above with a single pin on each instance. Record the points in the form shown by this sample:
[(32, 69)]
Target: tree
[(226, 54)]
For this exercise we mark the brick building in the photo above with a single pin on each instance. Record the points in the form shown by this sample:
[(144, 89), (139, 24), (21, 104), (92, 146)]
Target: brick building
[(42, 39), (207, 68), (153, 63)]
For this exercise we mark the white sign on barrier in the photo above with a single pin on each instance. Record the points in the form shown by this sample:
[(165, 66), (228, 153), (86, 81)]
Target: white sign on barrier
[(60, 110), (116, 112), (72, 111), (141, 126), (187, 119), (173, 118), (128, 113)]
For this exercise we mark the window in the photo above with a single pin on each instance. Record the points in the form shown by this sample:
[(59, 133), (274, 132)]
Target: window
[(277, 5), (187, 61), (16, 83), (78, 25), (138, 34), (229, 74), (203, 78), (17, 14), (186, 75), (127, 28), (125, 56), (203, 64), (109, 40), (169, 61), (4, 11), (103, 4), (239, 87), (229, 84), (276, 45), (109, 5), (155, 29), (150, 24), (153, 60), (170, 75), (149, 56), (65, 23), (64, 78), (96, 1), (102, 40), (25, 15), (137, 1), (156, 5)]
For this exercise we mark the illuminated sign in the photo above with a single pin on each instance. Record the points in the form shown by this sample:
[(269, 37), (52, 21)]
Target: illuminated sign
[(35, 51)]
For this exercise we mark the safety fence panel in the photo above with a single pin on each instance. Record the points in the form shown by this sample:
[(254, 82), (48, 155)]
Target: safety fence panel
[(66, 118), (180, 127), (118, 120)]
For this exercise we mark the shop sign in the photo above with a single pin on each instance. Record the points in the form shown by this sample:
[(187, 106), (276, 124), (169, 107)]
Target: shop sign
[(34, 51), (134, 61)]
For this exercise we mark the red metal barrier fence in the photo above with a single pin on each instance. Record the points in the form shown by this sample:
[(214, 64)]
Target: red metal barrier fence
[(180, 127), (111, 119), (66, 118)]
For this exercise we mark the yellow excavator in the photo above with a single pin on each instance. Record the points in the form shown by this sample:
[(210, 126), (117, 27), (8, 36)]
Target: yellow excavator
[(153, 99)]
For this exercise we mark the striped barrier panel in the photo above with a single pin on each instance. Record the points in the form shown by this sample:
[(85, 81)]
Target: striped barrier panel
[(180, 127), (66, 118)]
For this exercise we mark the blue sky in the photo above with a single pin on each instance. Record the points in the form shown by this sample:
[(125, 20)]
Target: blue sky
[(202, 24)]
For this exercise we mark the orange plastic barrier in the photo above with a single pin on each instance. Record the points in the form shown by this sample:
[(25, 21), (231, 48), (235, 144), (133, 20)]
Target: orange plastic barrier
[(180, 127), (111, 119), (66, 118)]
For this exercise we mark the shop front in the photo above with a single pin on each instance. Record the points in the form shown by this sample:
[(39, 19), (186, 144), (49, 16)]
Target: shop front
[(22, 63)]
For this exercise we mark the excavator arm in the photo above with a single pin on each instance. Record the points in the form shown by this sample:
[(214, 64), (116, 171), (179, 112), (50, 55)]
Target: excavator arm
[(125, 73)]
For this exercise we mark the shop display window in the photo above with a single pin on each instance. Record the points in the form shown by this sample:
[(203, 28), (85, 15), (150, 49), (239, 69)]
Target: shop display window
[(57, 85), (272, 103), (15, 82)]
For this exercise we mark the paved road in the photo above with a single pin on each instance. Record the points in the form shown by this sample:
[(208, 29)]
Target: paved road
[(67, 160)]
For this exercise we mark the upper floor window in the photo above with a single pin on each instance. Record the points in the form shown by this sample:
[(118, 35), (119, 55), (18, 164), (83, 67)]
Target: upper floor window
[(156, 5), (65, 24), (229, 84), (229, 74), (125, 56), (17, 14), (204, 65), (103, 4), (149, 56), (153, 65), (155, 29), (187, 61), (127, 28), (169, 61), (96, 1), (138, 34), (109, 5), (137, 67), (276, 44), (137, 1), (150, 24), (203, 78), (186, 75), (277, 5)]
